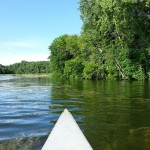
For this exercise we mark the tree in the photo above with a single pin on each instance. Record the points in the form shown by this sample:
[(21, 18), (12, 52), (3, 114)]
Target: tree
[(2, 69), (73, 68), (121, 31), (63, 49)]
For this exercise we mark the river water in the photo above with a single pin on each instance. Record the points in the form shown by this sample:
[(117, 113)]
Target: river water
[(114, 115)]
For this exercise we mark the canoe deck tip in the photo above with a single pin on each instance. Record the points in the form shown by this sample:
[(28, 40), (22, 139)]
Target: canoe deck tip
[(66, 110), (66, 135)]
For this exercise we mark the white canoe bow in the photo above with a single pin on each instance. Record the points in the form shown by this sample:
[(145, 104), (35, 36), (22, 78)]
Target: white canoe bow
[(66, 135)]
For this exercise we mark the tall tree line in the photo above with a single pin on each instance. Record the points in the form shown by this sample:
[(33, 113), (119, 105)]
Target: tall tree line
[(25, 67), (114, 43)]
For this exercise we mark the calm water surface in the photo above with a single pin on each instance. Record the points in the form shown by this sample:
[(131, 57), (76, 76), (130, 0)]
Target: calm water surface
[(114, 115)]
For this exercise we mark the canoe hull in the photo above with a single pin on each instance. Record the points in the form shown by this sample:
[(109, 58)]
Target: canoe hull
[(66, 135)]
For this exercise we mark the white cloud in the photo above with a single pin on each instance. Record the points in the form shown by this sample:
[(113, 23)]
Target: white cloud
[(31, 43), (35, 49), (18, 44), (13, 58)]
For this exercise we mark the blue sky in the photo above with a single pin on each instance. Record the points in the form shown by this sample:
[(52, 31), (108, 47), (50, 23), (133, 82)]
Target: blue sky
[(27, 27)]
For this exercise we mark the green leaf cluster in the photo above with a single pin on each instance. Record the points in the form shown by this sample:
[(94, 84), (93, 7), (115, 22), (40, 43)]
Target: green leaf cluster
[(114, 43)]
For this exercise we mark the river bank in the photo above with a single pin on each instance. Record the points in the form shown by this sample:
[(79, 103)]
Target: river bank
[(27, 75)]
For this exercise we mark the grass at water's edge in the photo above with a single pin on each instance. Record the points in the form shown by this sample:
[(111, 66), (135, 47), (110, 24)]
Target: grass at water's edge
[(28, 75)]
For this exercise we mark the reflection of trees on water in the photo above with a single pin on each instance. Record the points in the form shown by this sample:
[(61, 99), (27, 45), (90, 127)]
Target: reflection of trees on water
[(139, 133), (107, 109)]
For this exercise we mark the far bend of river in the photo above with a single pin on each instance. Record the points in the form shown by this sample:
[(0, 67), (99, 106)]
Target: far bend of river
[(113, 115)]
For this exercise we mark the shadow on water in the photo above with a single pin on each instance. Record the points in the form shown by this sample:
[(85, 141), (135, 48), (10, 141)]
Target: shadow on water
[(114, 115)]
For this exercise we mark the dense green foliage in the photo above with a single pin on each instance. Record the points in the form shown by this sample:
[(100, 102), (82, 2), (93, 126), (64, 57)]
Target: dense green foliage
[(5, 70), (25, 67), (64, 56), (114, 44)]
